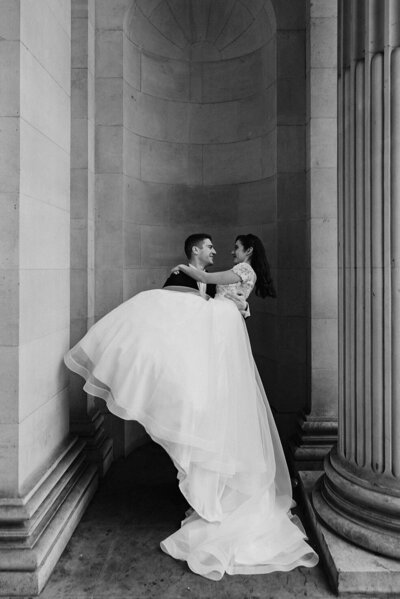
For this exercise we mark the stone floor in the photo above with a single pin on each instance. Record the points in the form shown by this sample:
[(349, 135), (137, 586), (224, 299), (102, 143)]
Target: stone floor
[(115, 553)]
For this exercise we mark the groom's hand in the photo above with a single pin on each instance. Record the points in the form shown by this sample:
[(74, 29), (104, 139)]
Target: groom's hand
[(240, 301)]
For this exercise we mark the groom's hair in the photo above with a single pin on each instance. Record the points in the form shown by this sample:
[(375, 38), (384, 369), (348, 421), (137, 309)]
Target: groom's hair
[(194, 239)]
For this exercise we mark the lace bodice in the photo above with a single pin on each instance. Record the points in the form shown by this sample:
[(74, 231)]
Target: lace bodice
[(247, 281)]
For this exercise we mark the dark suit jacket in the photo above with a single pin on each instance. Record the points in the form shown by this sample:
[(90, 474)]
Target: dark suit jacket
[(183, 280)]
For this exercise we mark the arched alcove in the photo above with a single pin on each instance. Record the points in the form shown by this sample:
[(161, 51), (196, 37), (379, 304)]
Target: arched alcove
[(199, 128)]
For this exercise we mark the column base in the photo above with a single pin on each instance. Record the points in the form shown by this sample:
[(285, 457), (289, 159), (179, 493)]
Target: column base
[(360, 505), (99, 447), (349, 568), (35, 529), (313, 440)]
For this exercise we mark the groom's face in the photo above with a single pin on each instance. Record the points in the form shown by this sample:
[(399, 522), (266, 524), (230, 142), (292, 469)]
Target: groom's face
[(206, 253)]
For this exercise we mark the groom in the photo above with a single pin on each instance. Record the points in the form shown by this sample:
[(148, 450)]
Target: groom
[(200, 252)]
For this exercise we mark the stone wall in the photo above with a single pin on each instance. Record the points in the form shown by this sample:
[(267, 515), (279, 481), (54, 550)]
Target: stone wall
[(35, 115)]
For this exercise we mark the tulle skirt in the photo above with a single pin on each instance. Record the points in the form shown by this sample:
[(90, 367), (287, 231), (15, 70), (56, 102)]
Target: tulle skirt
[(183, 368)]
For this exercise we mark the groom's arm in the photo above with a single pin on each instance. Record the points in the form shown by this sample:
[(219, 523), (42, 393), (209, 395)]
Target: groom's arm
[(241, 303)]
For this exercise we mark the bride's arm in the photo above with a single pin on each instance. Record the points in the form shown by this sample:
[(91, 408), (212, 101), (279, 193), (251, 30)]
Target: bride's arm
[(224, 277)]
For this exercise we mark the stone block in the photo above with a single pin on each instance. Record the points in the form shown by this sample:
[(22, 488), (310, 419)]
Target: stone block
[(109, 244), (169, 79), (9, 434), (292, 102), (323, 42), (44, 235), (132, 154), (79, 243), (196, 82), (41, 435), (79, 193), (9, 230), (292, 244), (323, 8), (79, 43), (263, 333), (213, 122), (147, 7), (292, 342), (142, 279), (62, 11), (257, 202), (324, 391), (141, 31), (164, 162), (292, 295), (79, 93), (323, 92), (47, 37), (110, 15), (290, 15), (131, 63), (164, 21), (322, 143), (291, 387), (44, 302), (259, 32), (109, 46), (42, 374), (220, 13), (291, 47), (10, 20), (324, 343), (324, 292), (238, 22), (44, 103), (9, 370), (147, 203), (109, 149), (9, 154), (45, 167), (161, 246), (79, 293), (256, 115), (9, 323), (291, 148), (132, 245), (108, 290), (109, 197), (109, 101), (236, 78), (323, 242), (322, 183), (200, 206), (238, 162), (292, 202), (9, 78)]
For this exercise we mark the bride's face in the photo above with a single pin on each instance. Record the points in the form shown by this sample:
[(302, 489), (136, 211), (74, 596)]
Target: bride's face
[(239, 253)]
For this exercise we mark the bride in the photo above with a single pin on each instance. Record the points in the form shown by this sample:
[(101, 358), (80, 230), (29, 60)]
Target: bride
[(183, 367)]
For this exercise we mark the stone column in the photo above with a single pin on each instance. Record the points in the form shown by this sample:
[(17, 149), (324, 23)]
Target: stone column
[(86, 420), (359, 495), (317, 426), (45, 480)]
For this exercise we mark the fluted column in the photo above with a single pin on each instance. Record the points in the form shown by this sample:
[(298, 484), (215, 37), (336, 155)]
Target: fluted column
[(359, 495)]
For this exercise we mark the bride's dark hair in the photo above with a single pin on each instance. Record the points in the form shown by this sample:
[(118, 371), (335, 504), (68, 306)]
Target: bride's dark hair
[(258, 260)]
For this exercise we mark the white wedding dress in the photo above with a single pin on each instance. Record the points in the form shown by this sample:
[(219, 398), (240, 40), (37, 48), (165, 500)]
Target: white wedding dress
[(183, 367)]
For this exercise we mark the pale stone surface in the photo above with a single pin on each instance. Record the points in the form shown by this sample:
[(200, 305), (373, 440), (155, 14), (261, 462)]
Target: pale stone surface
[(323, 151), (10, 23), (9, 459), (131, 63), (44, 302), (9, 384), (164, 162), (325, 342), (109, 61), (9, 323), (109, 106), (323, 49), (9, 154), (47, 35), (324, 290), (9, 78), (9, 211), (165, 79), (109, 144), (323, 243), (109, 244), (45, 228)]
